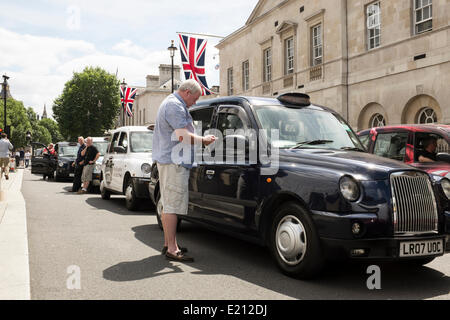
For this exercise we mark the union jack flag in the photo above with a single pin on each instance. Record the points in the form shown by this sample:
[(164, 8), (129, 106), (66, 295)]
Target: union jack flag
[(193, 60), (127, 96)]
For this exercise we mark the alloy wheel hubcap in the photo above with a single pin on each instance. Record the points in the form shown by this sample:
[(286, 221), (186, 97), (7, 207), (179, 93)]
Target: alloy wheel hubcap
[(291, 240), (159, 208)]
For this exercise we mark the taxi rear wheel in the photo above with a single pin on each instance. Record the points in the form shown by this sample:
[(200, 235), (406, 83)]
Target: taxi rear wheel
[(294, 242), (132, 202)]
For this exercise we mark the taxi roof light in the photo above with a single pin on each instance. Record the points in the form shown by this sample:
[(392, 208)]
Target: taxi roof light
[(295, 98)]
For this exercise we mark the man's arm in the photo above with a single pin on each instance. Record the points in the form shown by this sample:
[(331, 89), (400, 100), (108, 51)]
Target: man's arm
[(83, 152), (425, 159), (96, 157), (183, 135)]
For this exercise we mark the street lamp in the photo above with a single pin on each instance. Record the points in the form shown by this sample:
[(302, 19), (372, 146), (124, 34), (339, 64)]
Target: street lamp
[(172, 50), (124, 85), (5, 84)]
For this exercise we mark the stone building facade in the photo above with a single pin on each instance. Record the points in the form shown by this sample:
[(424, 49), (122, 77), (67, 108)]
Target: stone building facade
[(150, 97), (376, 62)]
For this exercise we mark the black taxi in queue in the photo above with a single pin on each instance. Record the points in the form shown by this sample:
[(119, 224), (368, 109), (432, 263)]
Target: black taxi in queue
[(328, 197)]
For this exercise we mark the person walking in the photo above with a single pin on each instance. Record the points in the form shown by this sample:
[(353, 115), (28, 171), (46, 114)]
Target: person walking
[(173, 118), (22, 158), (17, 157), (91, 154), (27, 158), (5, 147), (78, 164)]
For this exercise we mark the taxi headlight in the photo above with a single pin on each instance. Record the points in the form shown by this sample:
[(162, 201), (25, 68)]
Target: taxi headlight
[(60, 163), (146, 168), (445, 184), (349, 188)]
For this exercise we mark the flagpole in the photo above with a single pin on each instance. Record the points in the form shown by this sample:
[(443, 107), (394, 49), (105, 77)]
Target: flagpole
[(201, 34)]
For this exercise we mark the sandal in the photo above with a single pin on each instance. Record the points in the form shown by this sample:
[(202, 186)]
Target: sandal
[(179, 256), (182, 249)]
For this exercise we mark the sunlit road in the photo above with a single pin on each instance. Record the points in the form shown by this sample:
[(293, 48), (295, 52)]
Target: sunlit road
[(118, 255)]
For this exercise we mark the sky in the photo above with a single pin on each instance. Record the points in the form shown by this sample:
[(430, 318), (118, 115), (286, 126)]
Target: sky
[(42, 42)]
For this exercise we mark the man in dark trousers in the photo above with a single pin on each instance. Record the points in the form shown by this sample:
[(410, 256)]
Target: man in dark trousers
[(78, 164), (91, 155)]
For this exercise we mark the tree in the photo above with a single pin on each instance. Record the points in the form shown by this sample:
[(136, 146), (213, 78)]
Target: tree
[(39, 133), (88, 105), (16, 117), (53, 128)]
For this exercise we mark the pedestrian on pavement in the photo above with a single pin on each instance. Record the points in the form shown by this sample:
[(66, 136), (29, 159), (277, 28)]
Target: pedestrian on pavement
[(173, 118), (90, 154), (22, 157), (78, 164), (17, 157), (5, 147), (27, 158)]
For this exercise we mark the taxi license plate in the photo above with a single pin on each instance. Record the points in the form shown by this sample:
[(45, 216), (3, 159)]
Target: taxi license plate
[(71, 175), (421, 248)]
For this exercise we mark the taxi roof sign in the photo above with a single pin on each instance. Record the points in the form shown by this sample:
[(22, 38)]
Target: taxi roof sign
[(295, 98)]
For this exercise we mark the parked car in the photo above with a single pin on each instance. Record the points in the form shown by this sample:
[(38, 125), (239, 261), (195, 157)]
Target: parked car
[(328, 199), (405, 142), (126, 165), (101, 143), (66, 154)]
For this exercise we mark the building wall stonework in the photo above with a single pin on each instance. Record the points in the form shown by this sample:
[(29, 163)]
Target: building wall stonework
[(351, 77)]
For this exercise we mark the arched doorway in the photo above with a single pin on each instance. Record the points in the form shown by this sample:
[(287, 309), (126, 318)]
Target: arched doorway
[(372, 115), (422, 109)]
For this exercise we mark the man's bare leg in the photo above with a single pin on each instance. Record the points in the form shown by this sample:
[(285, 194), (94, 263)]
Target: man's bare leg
[(170, 221)]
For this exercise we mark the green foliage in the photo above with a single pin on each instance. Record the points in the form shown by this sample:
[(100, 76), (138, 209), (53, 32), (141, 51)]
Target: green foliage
[(16, 117), (88, 105), (52, 128)]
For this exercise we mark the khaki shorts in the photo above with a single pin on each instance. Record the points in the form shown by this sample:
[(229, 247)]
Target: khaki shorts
[(4, 163), (174, 186), (86, 176)]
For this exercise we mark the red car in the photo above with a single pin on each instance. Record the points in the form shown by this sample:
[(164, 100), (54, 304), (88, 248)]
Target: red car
[(405, 143)]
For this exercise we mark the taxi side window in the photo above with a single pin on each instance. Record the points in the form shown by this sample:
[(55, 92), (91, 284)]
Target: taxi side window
[(114, 142), (391, 145), (202, 117), (365, 139), (232, 118), (123, 141)]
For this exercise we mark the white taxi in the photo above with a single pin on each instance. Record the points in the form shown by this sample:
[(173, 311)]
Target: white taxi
[(126, 165)]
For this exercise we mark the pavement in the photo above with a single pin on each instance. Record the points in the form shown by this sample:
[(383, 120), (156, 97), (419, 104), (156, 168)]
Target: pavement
[(14, 264)]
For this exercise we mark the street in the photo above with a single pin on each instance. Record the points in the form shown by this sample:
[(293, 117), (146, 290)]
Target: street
[(118, 255)]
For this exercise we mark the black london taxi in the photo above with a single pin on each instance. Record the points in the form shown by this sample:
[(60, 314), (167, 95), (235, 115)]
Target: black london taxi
[(58, 166), (312, 193)]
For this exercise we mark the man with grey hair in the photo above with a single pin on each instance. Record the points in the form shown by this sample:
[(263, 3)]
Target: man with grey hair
[(90, 154), (174, 125)]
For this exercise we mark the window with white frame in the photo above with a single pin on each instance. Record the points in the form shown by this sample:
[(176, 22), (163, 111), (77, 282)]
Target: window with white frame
[(230, 81), (245, 76), (267, 56), (423, 15), (289, 55), (316, 37), (373, 25)]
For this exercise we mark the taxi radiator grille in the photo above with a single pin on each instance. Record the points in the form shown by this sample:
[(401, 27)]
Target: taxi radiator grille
[(414, 204)]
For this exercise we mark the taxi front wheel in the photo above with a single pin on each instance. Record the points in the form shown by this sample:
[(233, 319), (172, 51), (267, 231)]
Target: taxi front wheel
[(132, 202), (106, 195), (294, 242)]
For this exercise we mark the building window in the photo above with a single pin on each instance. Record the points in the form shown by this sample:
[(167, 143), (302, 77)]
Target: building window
[(289, 55), (245, 76), (423, 15), (378, 121), (267, 64), (427, 115), (230, 81), (316, 36), (373, 25)]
